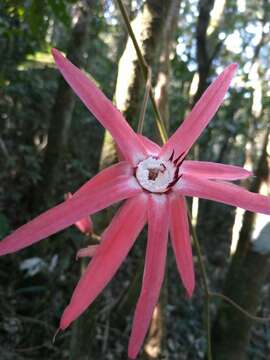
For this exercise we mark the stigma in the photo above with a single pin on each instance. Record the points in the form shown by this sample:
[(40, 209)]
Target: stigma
[(156, 175)]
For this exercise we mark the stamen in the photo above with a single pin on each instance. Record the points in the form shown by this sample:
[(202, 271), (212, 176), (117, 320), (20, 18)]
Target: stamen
[(171, 157), (174, 181), (179, 157), (181, 162), (176, 172)]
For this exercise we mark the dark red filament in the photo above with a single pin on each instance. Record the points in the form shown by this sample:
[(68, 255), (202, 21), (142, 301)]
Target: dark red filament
[(177, 162)]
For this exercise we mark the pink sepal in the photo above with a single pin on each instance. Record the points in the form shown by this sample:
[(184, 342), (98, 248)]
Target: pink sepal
[(115, 244), (211, 170), (223, 192), (179, 230), (158, 223), (199, 117), (108, 187), (102, 108)]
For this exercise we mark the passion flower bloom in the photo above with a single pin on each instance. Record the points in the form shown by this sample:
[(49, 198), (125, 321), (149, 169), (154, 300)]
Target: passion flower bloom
[(153, 181)]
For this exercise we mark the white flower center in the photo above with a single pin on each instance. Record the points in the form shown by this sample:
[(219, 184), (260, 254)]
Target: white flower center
[(155, 175)]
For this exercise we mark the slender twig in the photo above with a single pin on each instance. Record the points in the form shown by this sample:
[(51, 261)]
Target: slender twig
[(145, 101), (160, 124), (239, 308)]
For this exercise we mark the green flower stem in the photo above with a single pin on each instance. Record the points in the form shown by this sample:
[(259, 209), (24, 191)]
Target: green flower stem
[(145, 101)]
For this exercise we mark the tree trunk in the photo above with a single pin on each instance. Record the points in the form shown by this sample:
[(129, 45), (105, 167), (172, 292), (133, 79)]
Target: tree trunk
[(202, 51), (62, 110), (207, 49), (246, 275), (164, 68)]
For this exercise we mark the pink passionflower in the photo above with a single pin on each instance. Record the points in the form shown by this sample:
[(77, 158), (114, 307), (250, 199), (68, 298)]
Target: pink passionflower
[(153, 181)]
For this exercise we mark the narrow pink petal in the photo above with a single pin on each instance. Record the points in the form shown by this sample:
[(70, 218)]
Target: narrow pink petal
[(95, 196), (120, 155), (88, 251), (179, 230), (102, 108), (199, 117), (85, 225), (158, 223), (115, 245), (223, 192), (151, 147), (117, 171), (214, 171)]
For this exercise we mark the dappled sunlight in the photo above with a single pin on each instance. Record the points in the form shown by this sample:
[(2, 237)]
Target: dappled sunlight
[(153, 343), (238, 221), (216, 15)]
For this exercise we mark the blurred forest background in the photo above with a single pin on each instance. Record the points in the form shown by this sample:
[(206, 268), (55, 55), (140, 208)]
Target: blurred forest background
[(50, 145)]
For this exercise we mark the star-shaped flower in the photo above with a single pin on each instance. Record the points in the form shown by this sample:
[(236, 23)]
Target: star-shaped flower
[(153, 181)]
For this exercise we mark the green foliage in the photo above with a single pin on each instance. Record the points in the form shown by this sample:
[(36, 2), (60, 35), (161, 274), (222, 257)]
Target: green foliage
[(25, 27), (38, 23)]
